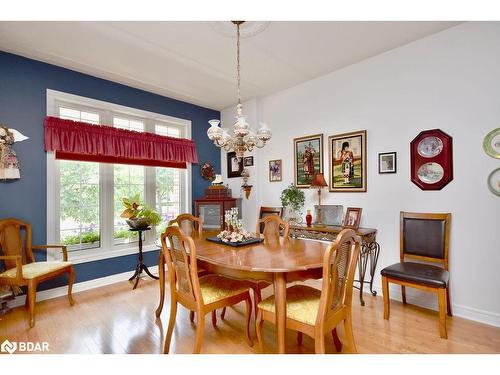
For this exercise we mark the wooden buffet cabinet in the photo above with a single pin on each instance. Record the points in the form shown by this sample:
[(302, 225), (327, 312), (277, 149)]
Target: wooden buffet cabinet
[(211, 208)]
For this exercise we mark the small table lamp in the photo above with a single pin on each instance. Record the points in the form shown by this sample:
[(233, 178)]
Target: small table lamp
[(319, 183)]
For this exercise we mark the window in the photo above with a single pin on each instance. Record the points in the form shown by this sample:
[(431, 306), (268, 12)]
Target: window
[(86, 197)]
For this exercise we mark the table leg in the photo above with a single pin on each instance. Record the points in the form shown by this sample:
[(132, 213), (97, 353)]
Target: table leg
[(280, 305)]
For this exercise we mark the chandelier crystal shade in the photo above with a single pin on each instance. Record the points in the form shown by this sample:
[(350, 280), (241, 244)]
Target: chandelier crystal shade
[(243, 138)]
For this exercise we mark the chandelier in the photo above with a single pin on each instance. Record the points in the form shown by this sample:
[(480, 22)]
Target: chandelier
[(243, 138)]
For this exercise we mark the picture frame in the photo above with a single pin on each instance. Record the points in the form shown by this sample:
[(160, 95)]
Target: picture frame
[(387, 162), (248, 161), (308, 159), (234, 167), (347, 162), (431, 159), (275, 170), (352, 218)]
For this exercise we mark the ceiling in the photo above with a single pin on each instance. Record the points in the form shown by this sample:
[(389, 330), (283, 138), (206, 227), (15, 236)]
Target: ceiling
[(195, 61)]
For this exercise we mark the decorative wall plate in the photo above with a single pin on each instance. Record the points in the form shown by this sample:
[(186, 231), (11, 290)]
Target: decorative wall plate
[(491, 143), (494, 182), (431, 160)]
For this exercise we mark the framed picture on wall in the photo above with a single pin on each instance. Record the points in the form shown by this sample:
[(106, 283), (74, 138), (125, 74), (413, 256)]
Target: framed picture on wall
[(347, 162), (248, 161), (387, 162), (234, 167), (352, 218), (275, 170), (308, 159)]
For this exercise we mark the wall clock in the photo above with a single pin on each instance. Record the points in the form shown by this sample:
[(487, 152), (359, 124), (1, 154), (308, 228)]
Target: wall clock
[(431, 159)]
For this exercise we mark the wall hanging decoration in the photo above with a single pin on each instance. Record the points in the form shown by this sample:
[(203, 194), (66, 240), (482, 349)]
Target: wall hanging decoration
[(387, 162), (347, 162), (352, 218), (246, 188), (491, 143), (275, 170), (234, 165), (431, 159), (207, 171), (308, 159), (9, 165), (494, 182), (248, 161)]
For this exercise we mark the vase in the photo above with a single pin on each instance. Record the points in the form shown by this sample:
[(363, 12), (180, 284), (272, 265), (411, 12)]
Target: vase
[(309, 218)]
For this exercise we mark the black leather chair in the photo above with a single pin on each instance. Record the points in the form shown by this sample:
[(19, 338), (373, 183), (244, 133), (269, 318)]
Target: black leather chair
[(425, 238)]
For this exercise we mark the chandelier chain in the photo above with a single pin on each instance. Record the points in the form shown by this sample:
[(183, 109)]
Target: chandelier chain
[(238, 60)]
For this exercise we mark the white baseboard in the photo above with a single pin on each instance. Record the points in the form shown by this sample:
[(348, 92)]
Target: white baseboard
[(78, 287), (425, 300), (429, 301)]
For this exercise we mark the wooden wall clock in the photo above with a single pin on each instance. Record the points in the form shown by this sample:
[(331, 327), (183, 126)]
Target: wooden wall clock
[(431, 159)]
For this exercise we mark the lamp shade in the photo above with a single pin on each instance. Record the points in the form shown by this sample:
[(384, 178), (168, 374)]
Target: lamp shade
[(318, 181)]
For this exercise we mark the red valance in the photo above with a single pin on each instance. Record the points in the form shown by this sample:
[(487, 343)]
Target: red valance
[(74, 140)]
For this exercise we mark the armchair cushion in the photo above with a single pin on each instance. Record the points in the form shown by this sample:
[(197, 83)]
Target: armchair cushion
[(35, 269), (425, 274), (302, 304), (215, 288)]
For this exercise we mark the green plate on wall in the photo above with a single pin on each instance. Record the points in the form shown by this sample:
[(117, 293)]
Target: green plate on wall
[(491, 143)]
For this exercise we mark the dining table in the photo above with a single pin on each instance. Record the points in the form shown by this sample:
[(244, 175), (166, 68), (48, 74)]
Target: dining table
[(276, 260)]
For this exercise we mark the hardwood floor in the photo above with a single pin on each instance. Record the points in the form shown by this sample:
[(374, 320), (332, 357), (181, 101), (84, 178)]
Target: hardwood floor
[(117, 319)]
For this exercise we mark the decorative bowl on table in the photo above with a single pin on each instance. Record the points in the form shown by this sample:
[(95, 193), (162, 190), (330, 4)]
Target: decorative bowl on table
[(138, 224)]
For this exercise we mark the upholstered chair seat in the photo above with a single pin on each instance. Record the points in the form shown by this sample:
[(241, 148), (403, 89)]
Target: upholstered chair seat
[(425, 274), (302, 303), (215, 288), (34, 270)]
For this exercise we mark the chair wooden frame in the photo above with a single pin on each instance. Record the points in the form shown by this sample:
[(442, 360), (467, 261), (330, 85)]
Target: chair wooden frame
[(327, 318), (27, 258), (443, 294), (268, 221), (271, 210), (196, 222), (193, 300)]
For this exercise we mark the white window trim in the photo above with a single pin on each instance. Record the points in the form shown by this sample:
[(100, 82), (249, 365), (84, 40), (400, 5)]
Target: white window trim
[(106, 250)]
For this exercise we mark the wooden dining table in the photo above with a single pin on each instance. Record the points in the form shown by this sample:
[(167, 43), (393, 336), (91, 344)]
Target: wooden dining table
[(276, 260)]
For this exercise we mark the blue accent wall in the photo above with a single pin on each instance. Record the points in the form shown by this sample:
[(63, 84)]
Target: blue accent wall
[(23, 102)]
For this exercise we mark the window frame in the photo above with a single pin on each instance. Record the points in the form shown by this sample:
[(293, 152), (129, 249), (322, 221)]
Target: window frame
[(106, 112)]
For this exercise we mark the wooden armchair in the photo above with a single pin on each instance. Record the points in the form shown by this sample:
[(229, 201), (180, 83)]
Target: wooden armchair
[(21, 269), (317, 312), (425, 238), (200, 294)]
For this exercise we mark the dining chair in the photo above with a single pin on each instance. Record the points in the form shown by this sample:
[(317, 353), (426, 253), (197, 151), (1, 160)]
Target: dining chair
[(317, 312), (20, 266), (200, 294), (267, 211), (424, 237)]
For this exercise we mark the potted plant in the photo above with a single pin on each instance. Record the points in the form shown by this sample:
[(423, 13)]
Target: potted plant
[(293, 199), (138, 215)]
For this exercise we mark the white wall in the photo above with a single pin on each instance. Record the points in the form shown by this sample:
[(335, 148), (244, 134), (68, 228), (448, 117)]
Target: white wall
[(450, 81)]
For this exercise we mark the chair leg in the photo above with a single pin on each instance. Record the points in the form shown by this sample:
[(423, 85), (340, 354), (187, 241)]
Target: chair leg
[(348, 332), (191, 316), (171, 324), (385, 292), (200, 330), (248, 303), (161, 271), (442, 313), (70, 286), (257, 297), (260, 331), (32, 301), (448, 302), (336, 340), (223, 313), (403, 294), (319, 342), (214, 318), (300, 337)]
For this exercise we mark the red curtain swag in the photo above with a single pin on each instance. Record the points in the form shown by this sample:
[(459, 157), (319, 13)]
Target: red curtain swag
[(74, 140)]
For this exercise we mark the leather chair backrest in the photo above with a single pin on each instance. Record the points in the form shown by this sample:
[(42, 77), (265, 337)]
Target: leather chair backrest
[(424, 237)]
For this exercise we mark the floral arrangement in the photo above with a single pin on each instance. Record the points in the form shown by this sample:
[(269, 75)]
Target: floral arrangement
[(234, 231)]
